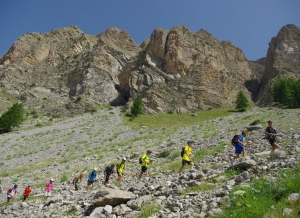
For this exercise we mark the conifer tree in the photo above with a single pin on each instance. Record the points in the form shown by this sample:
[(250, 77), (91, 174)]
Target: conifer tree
[(242, 102), (12, 118), (137, 107)]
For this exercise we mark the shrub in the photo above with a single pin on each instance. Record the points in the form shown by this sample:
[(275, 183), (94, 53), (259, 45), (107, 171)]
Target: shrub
[(12, 118), (164, 154), (242, 102), (137, 107)]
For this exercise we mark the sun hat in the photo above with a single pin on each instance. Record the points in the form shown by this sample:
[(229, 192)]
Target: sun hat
[(95, 168), (124, 158), (190, 141), (52, 180)]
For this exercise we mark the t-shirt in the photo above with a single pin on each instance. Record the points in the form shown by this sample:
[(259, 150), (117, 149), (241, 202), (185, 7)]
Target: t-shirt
[(27, 191), (108, 170), (48, 187), (92, 176), (78, 181), (146, 159), (240, 138), (187, 153), (271, 130), (121, 167)]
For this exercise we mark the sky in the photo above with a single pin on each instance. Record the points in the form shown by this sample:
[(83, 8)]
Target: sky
[(248, 24)]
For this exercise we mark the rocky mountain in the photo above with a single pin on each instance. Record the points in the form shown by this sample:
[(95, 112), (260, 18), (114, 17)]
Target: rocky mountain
[(66, 71), (282, 60)]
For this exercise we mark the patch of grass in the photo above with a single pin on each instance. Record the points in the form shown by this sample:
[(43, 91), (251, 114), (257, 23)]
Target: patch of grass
[(63, 178), (149, 209), (175, 120), (164, 154), (205, 186), (255, 122), (265, 198)]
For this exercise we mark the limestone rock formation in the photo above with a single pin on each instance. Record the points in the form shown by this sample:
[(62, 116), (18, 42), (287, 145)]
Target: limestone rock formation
[(182, 71), (282, 61), (65, 63)]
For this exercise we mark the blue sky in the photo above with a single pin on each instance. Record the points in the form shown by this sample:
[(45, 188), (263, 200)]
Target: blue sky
[(248, 24)]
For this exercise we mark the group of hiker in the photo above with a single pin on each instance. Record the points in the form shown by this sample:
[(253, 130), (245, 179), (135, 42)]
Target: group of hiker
[(145, 161), (270, 135)]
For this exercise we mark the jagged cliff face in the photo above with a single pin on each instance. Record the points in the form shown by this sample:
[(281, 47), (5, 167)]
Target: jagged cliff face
[(64, 63), (282, 61), (183, 71), (175, 70)]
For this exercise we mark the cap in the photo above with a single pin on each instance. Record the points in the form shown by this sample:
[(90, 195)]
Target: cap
[(190, 141), (124, 158), (95, 168), (149, 151), (52, 180)]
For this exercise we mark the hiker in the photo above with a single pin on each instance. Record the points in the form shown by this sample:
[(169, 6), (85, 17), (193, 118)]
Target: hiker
[(186, 158), (120, 168), (109, 170), (48, 189), (92, 178), (271, 136), (78, 182), (239, 147), (26, 192), (145, 161), (11, 193)]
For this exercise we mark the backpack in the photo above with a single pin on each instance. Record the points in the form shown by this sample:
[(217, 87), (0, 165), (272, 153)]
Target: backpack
[(234, 140), (74, 180), (9, 191), (140, 161), (182, 152)]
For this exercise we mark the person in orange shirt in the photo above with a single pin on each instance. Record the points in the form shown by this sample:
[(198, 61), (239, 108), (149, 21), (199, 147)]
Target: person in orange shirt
[(26, 193)]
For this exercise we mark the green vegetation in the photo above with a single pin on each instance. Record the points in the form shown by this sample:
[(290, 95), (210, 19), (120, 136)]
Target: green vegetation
[(176, 120), (205, 186), (287, 92), (242, 102), (164, 154), (148, 210), (265, 198), (137, 107), (12, 118)]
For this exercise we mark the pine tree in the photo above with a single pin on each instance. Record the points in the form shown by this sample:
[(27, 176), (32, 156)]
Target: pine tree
[(137, 107), (12, 118), (242, 102)]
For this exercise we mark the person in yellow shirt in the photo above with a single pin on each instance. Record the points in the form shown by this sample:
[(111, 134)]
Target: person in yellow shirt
[(186, 159), (145, 161), (120, 168)]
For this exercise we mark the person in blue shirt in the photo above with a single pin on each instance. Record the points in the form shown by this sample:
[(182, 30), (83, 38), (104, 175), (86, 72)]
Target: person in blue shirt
[(92, 178), (239, 146)]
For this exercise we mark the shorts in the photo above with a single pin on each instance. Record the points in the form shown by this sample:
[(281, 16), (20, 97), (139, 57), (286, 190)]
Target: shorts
[(9, 198), (47, 194), (77, 187), (239, 149), (25, 197), (107, 178), (144, 169), (272, 141), (184, 162), (90, 182)]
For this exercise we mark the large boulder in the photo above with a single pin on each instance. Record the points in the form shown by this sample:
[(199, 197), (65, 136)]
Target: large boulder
[(112, 197)]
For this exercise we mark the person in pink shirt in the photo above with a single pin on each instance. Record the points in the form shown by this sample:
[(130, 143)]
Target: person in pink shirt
[(48, 188)]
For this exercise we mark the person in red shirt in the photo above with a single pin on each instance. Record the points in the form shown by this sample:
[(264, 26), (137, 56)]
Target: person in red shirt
[(26, 193)]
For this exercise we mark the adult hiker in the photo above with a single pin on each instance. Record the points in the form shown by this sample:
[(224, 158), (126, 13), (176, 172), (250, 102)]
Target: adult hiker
[(92, 178), (78, 182), (239, 146), (186, 158), (48, 188), (109, 170), (145, 161), (11, 193), (26, 192), (271, 136), (120, 169)]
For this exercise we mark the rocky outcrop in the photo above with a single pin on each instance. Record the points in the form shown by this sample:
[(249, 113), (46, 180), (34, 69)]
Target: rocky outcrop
[(183, 71), (282, 60), (65, 63)]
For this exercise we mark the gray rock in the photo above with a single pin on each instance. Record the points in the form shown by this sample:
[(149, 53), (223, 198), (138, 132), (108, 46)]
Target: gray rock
[(293, 197), (112, 197)]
